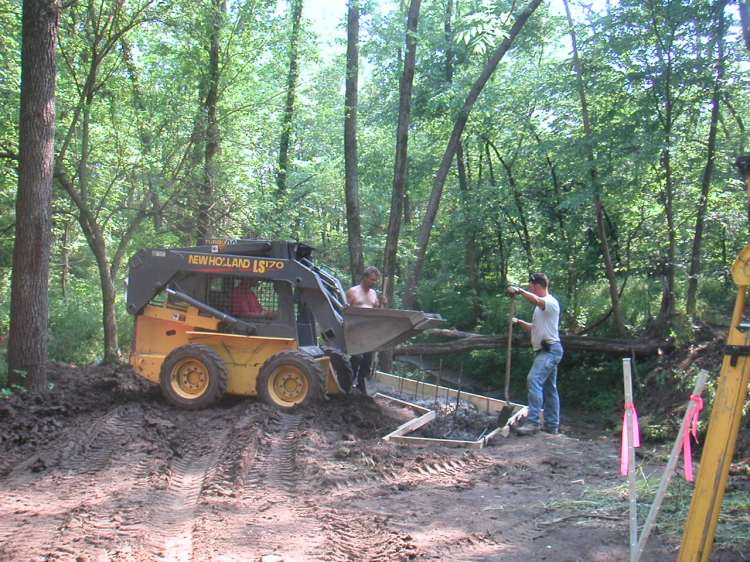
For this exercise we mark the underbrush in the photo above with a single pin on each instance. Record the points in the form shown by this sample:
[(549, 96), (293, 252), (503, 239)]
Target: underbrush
[(732, 532)]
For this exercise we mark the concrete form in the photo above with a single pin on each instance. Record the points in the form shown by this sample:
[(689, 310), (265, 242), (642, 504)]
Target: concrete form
[(428, 391)]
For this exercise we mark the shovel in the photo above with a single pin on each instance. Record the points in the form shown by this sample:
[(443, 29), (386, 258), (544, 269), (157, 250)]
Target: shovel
[(505, 414)]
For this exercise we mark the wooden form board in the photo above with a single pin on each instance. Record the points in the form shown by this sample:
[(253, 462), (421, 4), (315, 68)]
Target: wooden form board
[(399, 435), (427, 391)]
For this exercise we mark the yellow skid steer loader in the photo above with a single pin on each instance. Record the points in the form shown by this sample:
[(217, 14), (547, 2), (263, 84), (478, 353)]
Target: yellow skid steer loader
[(251, 317)]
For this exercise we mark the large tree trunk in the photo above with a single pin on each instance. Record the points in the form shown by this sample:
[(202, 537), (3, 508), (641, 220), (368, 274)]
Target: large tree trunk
[(450, 151), (351, 167), (291, 89), (598, 204), (27, 345), (206, 200), (400, 162), (695, 255), (462, 342)]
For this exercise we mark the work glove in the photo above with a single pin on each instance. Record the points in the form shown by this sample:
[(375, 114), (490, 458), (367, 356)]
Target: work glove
[(512, 291), (514, 320)]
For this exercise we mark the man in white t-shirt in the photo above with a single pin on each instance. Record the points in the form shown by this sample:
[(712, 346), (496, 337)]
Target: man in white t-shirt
[(545, 340)]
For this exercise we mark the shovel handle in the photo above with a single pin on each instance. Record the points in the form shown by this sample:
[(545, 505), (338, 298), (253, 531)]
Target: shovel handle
[(509, 348)]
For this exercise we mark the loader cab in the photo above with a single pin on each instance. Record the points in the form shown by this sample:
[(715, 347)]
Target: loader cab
[(287, 316), (274, 301)]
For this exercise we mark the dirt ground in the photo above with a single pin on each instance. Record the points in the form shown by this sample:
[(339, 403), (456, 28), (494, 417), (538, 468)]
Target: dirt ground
[(104, 469)]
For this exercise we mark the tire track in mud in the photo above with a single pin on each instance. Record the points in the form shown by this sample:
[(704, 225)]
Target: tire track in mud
[(41, 496), (171, 532), (204, 476), (204, 453), (359, 535), (277, 498), (474, 546), (445, 472)]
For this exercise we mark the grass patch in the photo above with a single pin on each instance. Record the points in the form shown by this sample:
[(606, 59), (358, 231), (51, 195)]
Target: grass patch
[(732, 532)]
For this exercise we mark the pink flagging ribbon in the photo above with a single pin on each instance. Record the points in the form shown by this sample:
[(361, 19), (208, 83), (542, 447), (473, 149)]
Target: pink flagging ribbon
[(636, 437), (692, 427)]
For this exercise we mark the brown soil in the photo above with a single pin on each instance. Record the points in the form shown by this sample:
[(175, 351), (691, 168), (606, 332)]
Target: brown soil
[(104, 469)]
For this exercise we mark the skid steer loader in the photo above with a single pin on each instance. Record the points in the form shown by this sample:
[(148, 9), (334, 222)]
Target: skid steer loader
[(293, 349)]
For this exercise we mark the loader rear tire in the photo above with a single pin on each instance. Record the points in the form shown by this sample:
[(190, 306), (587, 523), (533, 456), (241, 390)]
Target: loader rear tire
[(290, 380), (193, 377)]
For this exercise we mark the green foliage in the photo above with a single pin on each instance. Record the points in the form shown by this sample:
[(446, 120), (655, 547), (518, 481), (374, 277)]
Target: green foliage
[(591, 381), (75, 331)]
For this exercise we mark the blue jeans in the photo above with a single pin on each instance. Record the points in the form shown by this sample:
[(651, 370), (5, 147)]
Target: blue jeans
[(542, 385)]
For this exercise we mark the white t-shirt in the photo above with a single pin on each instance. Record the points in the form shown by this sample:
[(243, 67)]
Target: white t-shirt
[(544, 323)]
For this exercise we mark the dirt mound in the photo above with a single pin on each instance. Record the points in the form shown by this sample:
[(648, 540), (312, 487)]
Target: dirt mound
[(103, 468), (31, 421)]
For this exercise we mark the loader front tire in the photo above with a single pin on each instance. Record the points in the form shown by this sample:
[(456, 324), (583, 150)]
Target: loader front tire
[(193, 377), (290, 380), (342, 366)]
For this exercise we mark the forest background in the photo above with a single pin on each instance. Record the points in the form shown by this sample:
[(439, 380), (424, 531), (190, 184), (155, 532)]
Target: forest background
[(456, 144)]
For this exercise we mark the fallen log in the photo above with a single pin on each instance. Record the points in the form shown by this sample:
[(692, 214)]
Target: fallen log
[(467, 341)]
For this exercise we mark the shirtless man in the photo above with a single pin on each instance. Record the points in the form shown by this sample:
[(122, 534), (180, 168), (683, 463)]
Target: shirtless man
[(364, 296)]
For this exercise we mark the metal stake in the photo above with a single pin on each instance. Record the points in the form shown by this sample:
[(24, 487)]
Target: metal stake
[(666, 476), (629, 425)]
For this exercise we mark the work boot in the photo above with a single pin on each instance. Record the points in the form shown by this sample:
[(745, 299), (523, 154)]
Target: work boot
[(551, 430), (527, 428)]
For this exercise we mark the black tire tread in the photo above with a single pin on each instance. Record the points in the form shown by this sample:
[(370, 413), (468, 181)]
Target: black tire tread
[(201, 352), (317, 389)]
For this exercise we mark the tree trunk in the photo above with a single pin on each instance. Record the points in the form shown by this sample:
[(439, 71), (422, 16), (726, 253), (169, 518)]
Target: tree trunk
[(206, 200), (400, 162), (598, 205), (745, 21), (402, 139), (667, 307), (471, 257), (448, 28), (65, 255), (518, 200), (351, 190), (450, 151), (466, 341), (27, 345), (558, 221), (95, 237), (695, 256), (291, 88), (109, 315)]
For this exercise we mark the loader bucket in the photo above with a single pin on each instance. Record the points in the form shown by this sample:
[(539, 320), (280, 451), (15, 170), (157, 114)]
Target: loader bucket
[(373, 329)]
